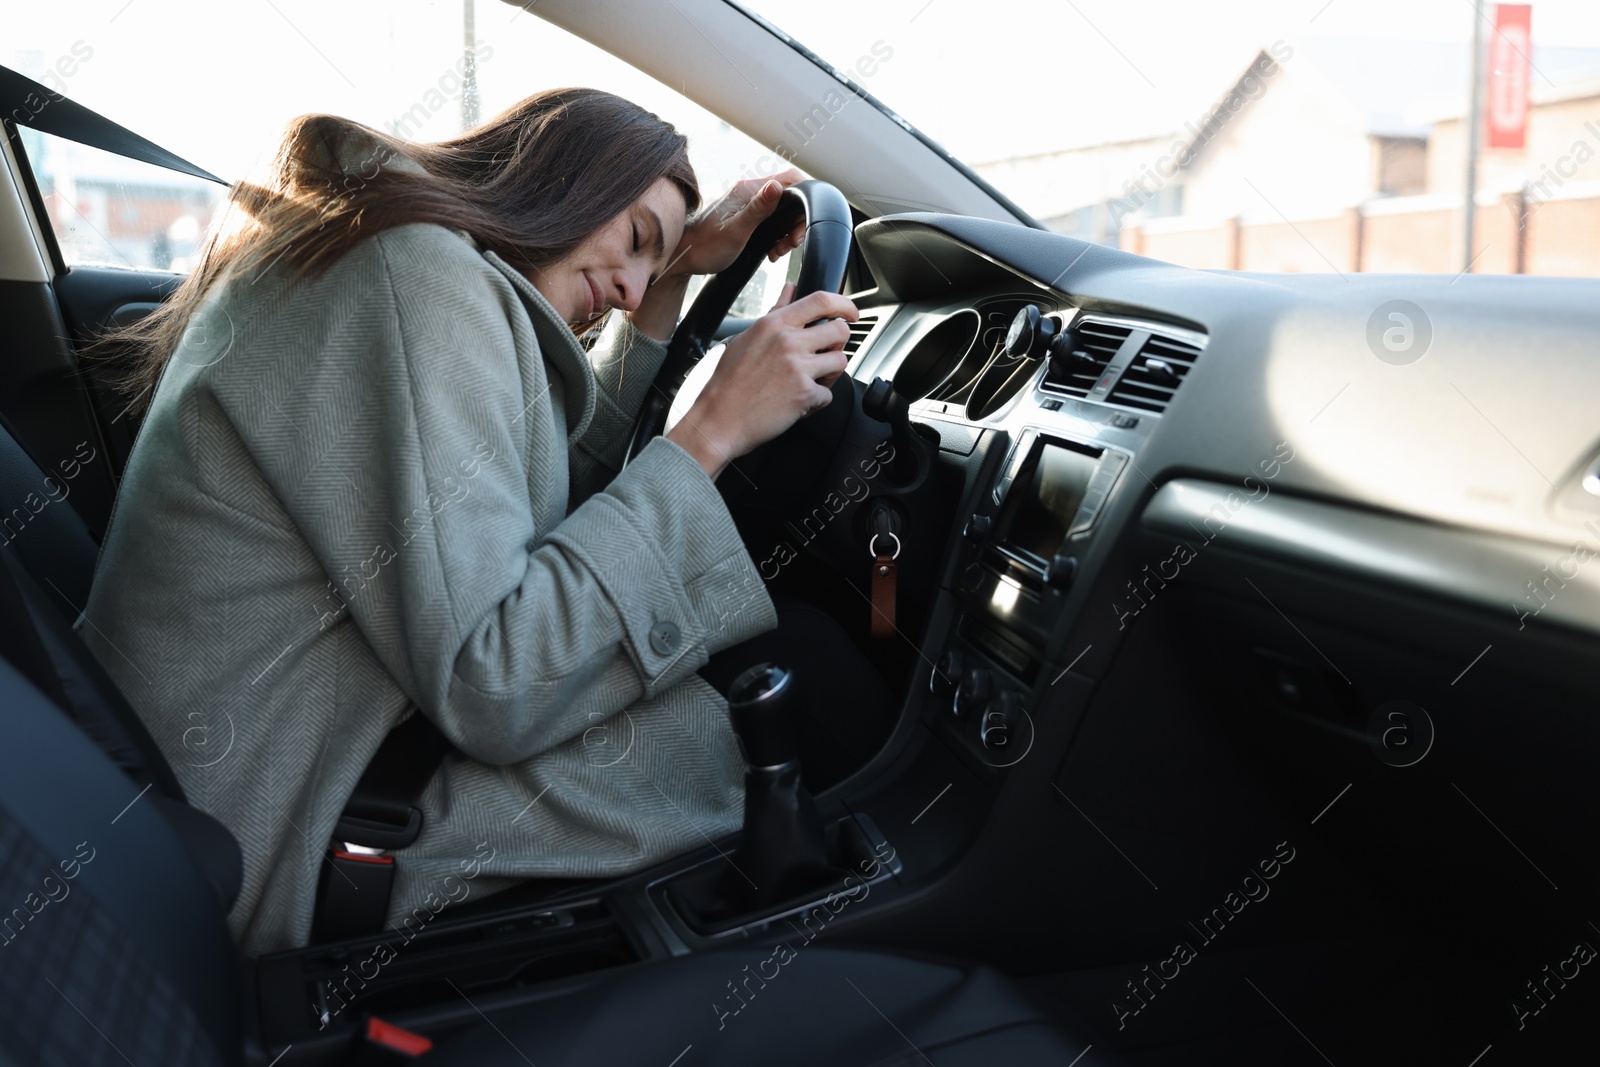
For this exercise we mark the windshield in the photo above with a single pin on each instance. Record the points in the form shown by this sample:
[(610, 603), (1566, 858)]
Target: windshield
[(1314, 135), (1254, 134)]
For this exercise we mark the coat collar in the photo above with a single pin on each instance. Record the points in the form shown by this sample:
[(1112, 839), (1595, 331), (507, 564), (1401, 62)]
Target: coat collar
[(558, 344)]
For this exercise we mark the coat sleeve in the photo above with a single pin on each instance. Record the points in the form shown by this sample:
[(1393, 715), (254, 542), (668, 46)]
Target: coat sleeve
[(512, 639)]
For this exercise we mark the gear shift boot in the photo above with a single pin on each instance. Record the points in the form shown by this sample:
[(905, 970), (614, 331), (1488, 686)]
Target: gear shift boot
[(784, 849)]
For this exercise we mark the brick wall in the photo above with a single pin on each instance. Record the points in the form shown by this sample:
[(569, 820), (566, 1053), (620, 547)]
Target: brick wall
[(1199, 247), (1314, 246), (1564, 237), (1402, 235)]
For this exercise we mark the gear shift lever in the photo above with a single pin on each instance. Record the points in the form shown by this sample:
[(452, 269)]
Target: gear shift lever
[(760, 703), (782, 848)]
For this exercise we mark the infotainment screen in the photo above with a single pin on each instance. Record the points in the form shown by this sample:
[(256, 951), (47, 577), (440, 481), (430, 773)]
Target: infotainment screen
[(1044, 498)]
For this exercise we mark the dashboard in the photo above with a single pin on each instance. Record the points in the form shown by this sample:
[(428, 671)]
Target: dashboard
[(1098, 398)]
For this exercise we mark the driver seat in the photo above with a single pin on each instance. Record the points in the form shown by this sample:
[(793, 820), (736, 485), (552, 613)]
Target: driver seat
[(46, 543), (117, 951)]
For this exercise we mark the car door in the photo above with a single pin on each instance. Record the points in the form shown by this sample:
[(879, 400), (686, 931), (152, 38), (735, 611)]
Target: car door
[(97, 212)]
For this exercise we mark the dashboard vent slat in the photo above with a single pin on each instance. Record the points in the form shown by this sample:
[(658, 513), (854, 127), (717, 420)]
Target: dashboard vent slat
[(1100, 341), (860, 330), (1153, 377)]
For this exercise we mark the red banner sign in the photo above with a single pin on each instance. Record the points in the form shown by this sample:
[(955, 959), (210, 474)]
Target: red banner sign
[(1509, 64)]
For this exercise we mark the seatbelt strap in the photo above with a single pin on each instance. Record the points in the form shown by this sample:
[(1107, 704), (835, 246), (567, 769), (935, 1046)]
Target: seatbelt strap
[(28, 103)]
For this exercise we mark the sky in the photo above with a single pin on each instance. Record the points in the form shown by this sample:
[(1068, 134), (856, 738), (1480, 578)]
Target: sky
[(215, 80)]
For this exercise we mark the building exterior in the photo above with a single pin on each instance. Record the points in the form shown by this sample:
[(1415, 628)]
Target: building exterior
[(1335, 155)]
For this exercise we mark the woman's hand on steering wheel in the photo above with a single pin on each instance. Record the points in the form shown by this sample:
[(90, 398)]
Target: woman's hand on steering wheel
[(711, 242), (719, 233), (769, 377)]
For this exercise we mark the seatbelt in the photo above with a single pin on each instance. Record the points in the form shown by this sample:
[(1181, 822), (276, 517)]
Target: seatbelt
[(355, 886), (25, 102), (381, 811)]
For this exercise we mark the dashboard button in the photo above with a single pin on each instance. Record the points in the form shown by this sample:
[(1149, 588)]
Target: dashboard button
[(971, 578), (1124, 422), (948, 672), (1051, 405), (978, 528), (977, 686), (1087, 510), (1063, 568)]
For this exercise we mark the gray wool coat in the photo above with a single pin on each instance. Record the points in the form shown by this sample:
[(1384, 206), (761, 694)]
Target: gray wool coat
[(397, 485)]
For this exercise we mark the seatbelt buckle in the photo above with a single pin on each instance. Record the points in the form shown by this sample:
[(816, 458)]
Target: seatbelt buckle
[(353, 893)]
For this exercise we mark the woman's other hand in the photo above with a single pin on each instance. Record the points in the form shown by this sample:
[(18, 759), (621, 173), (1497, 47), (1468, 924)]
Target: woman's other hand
[(719, 233), (769, 377), (711, 242)]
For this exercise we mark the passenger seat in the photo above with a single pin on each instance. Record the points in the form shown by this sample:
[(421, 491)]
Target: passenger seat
[(52, 542), (42, 527)]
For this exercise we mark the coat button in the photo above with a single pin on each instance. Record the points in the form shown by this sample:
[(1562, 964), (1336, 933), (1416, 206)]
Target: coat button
[(664, 637)]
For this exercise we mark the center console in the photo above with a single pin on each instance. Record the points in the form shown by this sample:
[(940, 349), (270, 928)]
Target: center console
[(1061, 450), (1020, 555)]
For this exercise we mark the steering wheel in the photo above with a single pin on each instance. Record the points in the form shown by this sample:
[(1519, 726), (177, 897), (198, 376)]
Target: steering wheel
[(811, 441)]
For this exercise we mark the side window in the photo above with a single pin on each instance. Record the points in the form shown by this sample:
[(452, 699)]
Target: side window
[(107, 210), (418, 69), (764, 288)]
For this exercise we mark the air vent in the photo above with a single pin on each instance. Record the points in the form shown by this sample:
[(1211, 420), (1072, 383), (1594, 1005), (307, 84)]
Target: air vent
[(1099, 341), (1155, 374), (860, 330)]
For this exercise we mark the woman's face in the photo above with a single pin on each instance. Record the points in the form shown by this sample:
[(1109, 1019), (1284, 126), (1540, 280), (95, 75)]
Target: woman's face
[(615, 265)]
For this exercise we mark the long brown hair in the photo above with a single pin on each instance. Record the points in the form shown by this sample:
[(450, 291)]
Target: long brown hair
[(530, 184)]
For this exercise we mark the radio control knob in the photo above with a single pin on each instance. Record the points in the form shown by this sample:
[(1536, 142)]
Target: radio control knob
[(948, 672), (978, 528), (1063, 568), (977, 686)]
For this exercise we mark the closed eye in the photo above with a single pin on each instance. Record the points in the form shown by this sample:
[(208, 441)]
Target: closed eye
[(636, 237)]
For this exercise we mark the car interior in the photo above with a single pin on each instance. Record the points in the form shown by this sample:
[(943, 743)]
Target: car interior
[(1245, 681)]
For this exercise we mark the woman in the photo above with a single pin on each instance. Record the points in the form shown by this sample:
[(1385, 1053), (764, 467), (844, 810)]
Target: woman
[(379, 471)]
